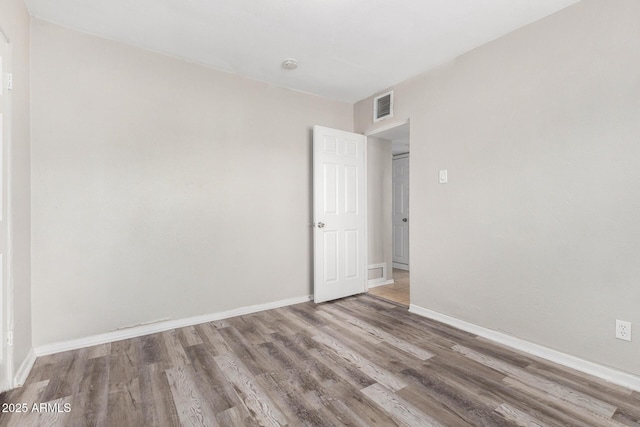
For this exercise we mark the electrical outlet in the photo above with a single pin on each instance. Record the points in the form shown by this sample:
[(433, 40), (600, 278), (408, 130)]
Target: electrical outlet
[(623, 330)]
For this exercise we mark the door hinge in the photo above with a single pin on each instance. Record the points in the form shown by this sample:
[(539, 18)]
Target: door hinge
[(9, 338), (10, 81)]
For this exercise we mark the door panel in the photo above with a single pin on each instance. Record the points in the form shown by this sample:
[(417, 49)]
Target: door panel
[(330, 256), (351, 190), (401, 212), (330, 188), (351, 254), (339, 214), (398, 243)]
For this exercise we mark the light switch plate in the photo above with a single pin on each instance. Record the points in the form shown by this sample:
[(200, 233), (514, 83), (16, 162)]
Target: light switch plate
[(442, 176)]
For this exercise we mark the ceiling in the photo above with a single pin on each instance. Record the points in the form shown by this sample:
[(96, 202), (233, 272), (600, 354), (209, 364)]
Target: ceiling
[(347, 49)]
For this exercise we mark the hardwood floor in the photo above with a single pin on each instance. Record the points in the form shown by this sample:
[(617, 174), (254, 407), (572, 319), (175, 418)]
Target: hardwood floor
[(398, 291), (359, 361)]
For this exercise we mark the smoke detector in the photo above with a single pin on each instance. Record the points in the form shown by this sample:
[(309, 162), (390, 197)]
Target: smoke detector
[(290, 64)]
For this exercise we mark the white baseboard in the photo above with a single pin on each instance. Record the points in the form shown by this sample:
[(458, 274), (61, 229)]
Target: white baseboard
[(153, 328), (603, 372), (25, 369), (375, 283), (401, 266)]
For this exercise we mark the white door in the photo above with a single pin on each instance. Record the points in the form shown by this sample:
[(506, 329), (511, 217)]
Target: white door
[(339, 214), (5, 365), (401, 212)]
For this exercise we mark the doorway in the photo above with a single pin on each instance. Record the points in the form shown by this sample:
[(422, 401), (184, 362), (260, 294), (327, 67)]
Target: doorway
[(389, 215)]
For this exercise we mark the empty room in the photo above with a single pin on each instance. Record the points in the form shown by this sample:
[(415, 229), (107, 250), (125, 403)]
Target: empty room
[(320, 213)]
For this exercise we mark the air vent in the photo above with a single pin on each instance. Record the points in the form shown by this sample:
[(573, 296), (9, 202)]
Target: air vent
[(383, 106)]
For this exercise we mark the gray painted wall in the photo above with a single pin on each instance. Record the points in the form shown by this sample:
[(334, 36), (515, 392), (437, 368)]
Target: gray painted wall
[(163, 189), (14, 24), (537, 233), (379, 202)]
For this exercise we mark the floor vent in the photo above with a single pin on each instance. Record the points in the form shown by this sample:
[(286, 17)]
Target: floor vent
[(383, 106)]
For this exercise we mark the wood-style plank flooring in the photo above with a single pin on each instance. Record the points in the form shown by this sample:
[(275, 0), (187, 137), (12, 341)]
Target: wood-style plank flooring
[(398, 291), (359, 361)]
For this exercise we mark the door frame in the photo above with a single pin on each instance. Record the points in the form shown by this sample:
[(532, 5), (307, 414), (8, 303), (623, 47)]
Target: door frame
[(6, 293), (374, 133)]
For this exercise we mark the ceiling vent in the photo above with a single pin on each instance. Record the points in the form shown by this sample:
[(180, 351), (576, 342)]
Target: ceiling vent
[(383, 106)]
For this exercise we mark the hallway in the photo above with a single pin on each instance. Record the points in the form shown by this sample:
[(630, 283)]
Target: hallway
[(398, 291)]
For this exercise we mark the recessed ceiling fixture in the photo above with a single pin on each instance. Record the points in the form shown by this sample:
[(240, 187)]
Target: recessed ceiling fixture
[(290, 64)]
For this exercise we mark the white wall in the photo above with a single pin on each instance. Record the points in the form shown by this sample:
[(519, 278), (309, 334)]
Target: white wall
[(14, 24), (379, 202), (163, 189), (537, 233)]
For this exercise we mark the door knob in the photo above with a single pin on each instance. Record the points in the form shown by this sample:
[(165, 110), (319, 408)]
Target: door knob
[(320, 225), (404, 219)]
